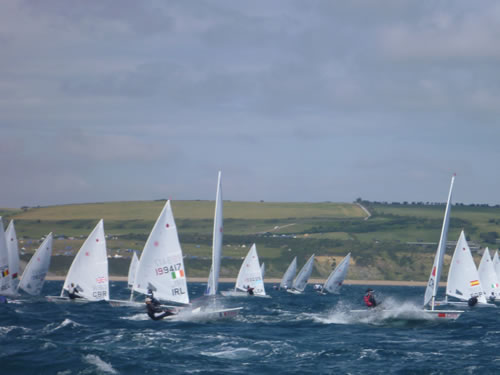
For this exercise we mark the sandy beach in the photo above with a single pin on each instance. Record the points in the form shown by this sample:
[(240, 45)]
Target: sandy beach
[(277, 281)]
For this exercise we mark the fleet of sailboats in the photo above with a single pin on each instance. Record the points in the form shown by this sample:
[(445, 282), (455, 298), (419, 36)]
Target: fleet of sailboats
[(160, 270)]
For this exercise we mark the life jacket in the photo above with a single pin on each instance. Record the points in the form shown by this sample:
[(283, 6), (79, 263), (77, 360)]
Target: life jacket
[(368, 303)]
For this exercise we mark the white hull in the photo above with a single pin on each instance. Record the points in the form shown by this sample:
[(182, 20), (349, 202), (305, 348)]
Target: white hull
[(409, 315), (59, 299), (232, 293), (463, 304), (125, 303), (204, 315), (294, 291)]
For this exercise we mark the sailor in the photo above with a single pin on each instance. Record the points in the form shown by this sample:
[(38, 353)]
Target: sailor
[(73, 292), (472, 301), (369, 298), (3, 299), (250, 290), (317, 286), (154, 308), (492, 297)]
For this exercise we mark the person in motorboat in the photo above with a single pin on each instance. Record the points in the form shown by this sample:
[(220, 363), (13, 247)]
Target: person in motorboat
[(369, 298), (250, 290), (73, 292), (155, 311), (472, 301)]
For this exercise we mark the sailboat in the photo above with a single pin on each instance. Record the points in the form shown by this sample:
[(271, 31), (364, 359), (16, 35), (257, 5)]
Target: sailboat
[(250, 276), (213, 278), (337, 276), (300, 282), (435, 276), (496, 264), (37, 268), (463, 278), (263, 270), (5, 289), (89, 270), (132, 270), (488, 277), (11, 238), (289, 275)]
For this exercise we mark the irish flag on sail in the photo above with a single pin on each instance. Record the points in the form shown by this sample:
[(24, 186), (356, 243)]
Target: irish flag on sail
[(177, 274)]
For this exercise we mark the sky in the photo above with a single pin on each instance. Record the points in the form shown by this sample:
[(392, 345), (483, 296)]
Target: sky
[(107, 100)]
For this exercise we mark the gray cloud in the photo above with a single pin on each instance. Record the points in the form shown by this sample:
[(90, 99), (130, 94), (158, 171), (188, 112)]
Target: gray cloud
[(294, 100)]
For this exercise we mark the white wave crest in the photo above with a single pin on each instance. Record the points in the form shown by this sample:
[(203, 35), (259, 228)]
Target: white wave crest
[(99, 364), (65, 322)]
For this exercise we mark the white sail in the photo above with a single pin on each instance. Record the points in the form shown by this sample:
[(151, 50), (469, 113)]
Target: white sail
[(4, 263), (250, 274), (488, 276), (300, 281), (287, 280), (435, 276), (263, 270), (213, 279), (37, 268), (337, 276), (463, 278), (89, 270), (496, 264), (161, 267), (132, 270), (11, 238)]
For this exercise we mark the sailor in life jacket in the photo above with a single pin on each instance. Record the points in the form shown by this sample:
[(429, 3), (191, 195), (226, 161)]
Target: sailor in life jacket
[(369, 298)]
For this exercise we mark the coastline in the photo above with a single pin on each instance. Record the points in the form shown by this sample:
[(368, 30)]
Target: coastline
[(277, 281)]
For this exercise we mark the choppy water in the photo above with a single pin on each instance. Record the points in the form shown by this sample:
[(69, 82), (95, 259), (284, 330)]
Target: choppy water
[(287, 334)]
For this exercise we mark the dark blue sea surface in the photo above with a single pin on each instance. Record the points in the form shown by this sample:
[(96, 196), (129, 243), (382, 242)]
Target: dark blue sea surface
[(286, 334)]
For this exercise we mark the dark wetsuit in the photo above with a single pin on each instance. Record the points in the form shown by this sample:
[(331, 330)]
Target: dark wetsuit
[(370, 300), (3, 299), (250, 291), (154, 308), (73, 293)]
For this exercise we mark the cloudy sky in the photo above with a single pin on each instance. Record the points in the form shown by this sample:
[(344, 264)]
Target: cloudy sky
[(106, 100)]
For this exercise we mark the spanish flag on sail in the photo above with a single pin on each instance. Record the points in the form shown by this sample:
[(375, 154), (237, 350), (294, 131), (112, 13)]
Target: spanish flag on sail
[(474, 282)]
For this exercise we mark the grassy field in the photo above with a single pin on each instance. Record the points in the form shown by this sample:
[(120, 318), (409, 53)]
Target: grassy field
[(396, 243)]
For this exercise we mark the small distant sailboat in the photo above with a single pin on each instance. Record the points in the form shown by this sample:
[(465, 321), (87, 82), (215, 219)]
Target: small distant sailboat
[(89, 270), (132, 270), (263, 270), (37, 268), (300, 282), (213, 278), (289, 275), (463, 279), (488, 277), (496, 264), (250, 276), (12, 247), (435, 276), (337, 277), (5, 289)]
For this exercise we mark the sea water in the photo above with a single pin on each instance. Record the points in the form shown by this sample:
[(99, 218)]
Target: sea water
[(286, 334)]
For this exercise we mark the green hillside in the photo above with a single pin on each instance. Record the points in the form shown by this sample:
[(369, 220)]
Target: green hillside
[(397, 242)]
